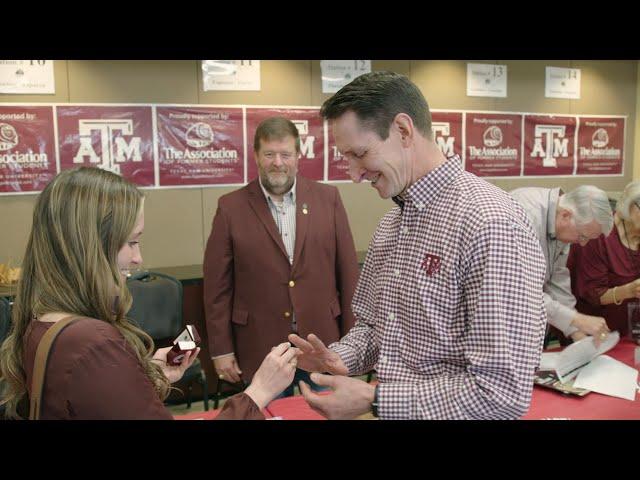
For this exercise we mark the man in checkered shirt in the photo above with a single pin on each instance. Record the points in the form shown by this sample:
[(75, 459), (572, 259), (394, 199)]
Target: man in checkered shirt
[(449, 307)]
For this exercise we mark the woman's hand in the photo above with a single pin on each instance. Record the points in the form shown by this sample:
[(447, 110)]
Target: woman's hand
[(274, 375), (174, 372), (631, 289)]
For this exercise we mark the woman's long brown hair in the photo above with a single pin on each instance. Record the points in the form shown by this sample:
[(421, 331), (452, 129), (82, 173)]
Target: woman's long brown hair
[(80, 222)]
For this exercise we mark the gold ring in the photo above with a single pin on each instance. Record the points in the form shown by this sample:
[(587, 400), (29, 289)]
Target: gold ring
[(603, 335), (221, 377)]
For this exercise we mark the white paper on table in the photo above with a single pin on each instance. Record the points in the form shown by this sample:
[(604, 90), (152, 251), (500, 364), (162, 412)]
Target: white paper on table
[(610, 377), (580, 353), (549, 360)]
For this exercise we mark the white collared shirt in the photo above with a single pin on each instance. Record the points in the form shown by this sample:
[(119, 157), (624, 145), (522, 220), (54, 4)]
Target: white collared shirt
[(284, 214)]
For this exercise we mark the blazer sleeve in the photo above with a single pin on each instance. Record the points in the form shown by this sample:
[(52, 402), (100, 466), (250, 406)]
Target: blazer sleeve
[(347, 271), (218, 285)]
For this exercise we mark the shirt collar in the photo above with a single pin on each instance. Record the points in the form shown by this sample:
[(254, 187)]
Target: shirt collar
[(428, 188), (291, 194), (554, 198), (399, 201)]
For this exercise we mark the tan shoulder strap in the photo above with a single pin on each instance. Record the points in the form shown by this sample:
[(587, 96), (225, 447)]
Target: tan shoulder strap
[(40, 364)]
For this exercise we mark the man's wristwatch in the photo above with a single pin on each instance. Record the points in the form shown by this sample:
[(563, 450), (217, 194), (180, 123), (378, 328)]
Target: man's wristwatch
[(374, 404)]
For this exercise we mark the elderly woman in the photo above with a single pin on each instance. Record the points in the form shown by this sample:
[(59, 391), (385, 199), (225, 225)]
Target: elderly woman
[(605, 274)]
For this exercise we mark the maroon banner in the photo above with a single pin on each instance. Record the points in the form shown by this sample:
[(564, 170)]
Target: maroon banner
[(600, 146), (447, 132), (200, 145), (27, 148), (338, 168), (118, 139), (311, 128), (549, 145), (493, 144)]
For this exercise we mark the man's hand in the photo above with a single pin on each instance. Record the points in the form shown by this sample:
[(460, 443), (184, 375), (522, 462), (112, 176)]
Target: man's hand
[(350, 397), (174, 372), (316, 357), (228, 368), (596, 326), (576, 336)]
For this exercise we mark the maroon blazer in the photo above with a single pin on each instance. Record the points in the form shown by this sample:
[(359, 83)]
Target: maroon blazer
[(251, 290)]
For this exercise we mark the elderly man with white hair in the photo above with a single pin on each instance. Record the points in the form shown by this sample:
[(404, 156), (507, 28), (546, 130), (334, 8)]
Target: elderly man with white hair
[(561, 219)]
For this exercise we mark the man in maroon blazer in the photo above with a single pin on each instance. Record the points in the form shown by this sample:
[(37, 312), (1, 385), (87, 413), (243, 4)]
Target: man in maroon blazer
[(280, 259)]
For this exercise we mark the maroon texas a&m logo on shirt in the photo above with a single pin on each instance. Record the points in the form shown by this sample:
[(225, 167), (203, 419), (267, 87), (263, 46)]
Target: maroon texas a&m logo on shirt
[(431, 263)]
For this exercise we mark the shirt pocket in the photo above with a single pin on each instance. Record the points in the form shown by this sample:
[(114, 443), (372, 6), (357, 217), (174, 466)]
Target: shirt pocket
[(432, 323)]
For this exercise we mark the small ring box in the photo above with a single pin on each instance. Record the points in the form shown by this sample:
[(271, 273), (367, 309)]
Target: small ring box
[(187, 341)]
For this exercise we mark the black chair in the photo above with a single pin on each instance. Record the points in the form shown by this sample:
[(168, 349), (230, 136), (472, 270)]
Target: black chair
[(157, 309), (5, 318)]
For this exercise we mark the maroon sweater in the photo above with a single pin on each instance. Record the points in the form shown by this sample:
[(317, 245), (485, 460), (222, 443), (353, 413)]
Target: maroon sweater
[(93, 374)]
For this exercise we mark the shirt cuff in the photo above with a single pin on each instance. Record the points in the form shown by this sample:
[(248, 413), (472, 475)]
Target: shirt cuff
[(395, 401), (562, 319), (347, 354), (222, 356)]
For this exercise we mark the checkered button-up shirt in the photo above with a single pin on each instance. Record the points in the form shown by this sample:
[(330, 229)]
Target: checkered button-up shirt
[(449, 305)]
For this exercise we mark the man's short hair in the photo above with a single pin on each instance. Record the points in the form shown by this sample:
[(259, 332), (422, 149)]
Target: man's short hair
[(376, 98), (276, 128), (589, 203)]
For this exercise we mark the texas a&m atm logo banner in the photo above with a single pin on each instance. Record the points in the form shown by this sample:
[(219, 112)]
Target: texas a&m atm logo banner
[(169, 146)]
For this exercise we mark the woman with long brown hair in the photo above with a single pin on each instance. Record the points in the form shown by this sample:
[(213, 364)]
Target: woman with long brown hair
[(85, 236)]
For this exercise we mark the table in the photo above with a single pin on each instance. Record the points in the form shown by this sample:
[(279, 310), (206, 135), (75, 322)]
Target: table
[(210, 415), (294, 408), (290, 408), (545, 403)]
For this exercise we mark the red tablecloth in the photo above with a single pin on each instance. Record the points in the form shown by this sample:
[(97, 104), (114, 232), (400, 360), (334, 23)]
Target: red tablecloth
[(547, 403), (210, 415), (294, 408)]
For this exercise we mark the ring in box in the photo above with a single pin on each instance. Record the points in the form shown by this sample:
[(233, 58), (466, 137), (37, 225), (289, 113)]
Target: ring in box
[(187, 341)]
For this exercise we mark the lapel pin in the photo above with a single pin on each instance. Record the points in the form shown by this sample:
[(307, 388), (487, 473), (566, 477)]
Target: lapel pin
[(305, 209)]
